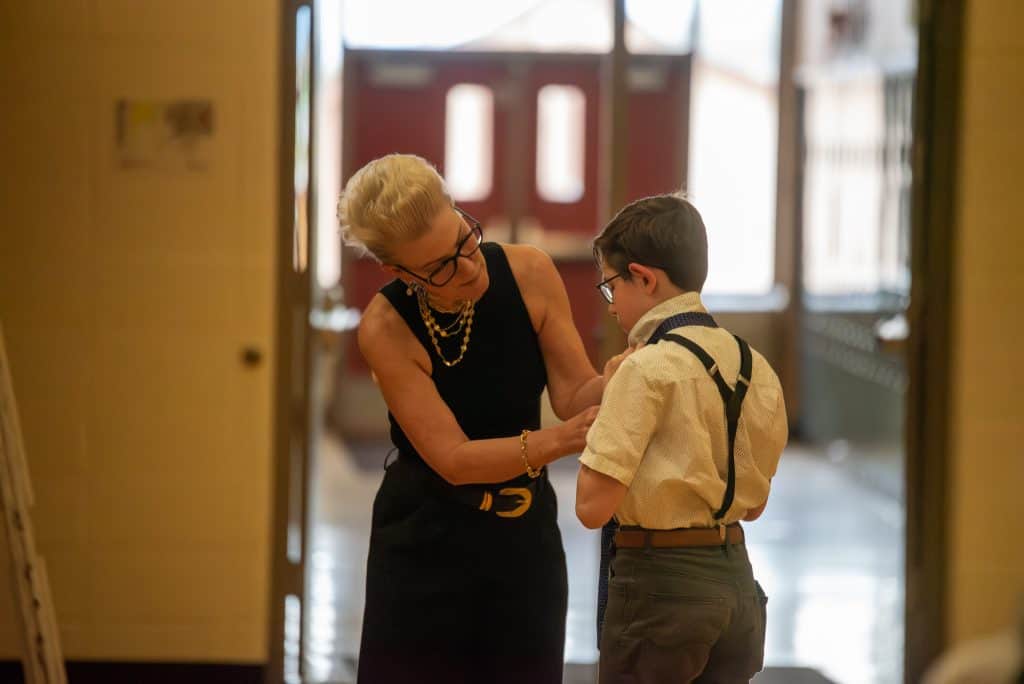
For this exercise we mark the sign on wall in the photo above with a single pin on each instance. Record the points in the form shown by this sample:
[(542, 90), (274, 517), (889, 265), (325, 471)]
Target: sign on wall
[(164, 135)]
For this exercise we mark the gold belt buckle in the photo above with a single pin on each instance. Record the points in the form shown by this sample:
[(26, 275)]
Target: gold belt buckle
[(525, 501)]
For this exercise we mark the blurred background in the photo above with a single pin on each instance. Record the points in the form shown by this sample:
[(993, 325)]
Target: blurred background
[(205, 440)]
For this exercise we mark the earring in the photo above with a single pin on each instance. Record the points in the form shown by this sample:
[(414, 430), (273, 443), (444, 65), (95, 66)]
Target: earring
[(408, 289)]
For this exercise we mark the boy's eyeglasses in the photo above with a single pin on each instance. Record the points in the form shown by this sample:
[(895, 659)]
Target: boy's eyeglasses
[(606, 290)]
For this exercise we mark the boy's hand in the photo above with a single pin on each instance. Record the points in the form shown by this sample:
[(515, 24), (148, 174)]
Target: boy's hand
[(613, 363)]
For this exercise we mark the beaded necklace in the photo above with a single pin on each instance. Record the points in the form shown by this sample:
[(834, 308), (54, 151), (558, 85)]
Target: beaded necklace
[(463, 322)]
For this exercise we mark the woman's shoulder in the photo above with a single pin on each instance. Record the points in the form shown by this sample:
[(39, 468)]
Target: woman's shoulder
[(380, 320), (524, 255), (531, 265), (385, 338)]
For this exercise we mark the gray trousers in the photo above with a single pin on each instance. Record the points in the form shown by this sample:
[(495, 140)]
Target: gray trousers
[(682, 615)]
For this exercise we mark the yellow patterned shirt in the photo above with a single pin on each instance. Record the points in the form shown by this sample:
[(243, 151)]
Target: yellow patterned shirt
[(661, 429)]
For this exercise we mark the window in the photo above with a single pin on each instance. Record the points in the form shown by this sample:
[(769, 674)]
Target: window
[(561, 121), (734, 142), (303, 58), (469, 142), (327, 127), (660, 27), (857, 186), (511, 25)]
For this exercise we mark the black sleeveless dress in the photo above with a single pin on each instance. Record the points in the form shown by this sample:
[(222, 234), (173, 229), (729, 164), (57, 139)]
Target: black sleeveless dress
[(463, 584)]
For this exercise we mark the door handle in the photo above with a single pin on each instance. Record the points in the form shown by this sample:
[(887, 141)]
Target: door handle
[(252, 356)]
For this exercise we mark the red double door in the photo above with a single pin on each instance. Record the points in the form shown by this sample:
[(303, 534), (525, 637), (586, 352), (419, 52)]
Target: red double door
[(397, 102)]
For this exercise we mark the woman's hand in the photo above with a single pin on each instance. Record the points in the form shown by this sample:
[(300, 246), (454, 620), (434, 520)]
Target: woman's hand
[(613, 363), (574, 430)]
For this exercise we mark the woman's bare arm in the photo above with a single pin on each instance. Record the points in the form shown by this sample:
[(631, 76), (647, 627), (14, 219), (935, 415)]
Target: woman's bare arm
[(402, 368), (573, 384)]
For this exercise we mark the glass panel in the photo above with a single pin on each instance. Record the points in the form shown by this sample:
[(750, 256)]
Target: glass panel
[(652, 26), (328, 136), (660, 27), (741, 37), (843, 189), (561, 123), (513, 25), (303, 61), (857, 187), (469, 142), (292, 631), (734, 141), (855, 79), (858, 91)]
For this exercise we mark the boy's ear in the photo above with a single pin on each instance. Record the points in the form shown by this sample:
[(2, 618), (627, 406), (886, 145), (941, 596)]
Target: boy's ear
[(644, 277)]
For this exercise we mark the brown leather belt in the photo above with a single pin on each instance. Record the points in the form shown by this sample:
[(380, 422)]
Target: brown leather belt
[(692, 536)]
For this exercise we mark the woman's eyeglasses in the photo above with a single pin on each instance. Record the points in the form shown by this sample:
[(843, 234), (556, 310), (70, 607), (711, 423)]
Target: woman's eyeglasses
[(446, 270)]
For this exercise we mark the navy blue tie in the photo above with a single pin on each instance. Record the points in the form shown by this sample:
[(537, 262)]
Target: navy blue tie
[(608, 531)]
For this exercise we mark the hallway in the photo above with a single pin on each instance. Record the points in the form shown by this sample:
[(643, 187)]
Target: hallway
[(828, 552)]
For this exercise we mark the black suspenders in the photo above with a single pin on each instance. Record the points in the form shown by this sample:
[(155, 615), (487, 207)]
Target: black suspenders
[(731, 398)]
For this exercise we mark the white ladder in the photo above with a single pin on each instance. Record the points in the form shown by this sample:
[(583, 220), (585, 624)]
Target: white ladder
[(40, 653)]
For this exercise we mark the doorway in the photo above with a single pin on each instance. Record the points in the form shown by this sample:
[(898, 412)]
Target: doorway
[(829, 549)]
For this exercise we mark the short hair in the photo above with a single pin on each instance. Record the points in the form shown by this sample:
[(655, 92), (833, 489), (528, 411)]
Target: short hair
[(664, 231), (390, 201)]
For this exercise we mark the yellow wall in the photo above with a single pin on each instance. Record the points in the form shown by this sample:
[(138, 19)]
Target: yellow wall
[(987, 468), (126, 296)]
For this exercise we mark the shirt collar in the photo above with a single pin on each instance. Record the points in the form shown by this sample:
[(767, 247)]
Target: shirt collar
[(688, 302)]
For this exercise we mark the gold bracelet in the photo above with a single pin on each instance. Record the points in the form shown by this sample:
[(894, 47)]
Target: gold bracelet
[(534, 474)]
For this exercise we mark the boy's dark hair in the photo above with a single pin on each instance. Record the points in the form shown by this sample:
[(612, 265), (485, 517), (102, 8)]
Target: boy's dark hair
[(664, 231)]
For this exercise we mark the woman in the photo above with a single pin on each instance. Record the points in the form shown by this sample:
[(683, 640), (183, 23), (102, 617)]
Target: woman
[(466, 577)]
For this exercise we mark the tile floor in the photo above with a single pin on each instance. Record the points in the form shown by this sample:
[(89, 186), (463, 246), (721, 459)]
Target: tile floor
[(828, 552)]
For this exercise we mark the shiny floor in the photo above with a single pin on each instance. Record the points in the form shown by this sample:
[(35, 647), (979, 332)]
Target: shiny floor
[(828, 552)]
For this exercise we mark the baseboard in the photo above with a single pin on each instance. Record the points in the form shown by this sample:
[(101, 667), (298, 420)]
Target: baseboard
[(82, 672)]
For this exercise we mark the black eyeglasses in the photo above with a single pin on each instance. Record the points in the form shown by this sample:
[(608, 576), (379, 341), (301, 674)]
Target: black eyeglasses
[(443, 274), (606, 290)]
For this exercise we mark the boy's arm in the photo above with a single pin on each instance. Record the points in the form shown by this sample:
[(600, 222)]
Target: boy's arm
[(597, 497), (778, 435), (618, 439), (755, 513)]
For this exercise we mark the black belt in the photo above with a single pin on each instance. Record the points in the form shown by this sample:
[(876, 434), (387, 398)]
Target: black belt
[(506, 500)]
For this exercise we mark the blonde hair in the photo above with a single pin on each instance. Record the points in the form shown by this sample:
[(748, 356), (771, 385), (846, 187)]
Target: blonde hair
[(389, 201)]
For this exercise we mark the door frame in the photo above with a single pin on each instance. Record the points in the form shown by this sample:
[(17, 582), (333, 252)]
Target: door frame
[(937, 99), (290, 482)]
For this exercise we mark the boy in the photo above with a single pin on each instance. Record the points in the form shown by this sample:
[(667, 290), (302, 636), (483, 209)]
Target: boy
[(687, 439)]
